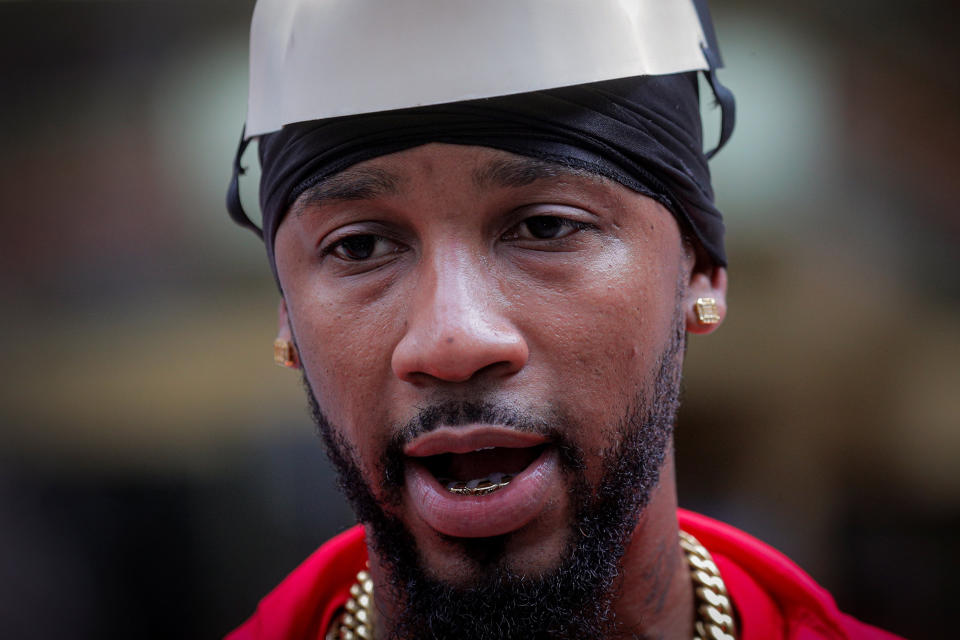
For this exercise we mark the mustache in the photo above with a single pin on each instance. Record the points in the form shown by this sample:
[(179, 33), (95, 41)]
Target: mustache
[(463, 413)]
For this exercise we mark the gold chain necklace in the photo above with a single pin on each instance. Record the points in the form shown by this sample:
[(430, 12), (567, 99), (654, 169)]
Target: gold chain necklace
[(357, 619), (714, 614)]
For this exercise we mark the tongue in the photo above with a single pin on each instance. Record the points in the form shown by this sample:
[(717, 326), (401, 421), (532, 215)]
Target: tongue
[(480, 464)]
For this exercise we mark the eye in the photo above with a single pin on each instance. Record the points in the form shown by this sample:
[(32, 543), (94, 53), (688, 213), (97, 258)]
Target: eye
[(357, 248), (545, 228)]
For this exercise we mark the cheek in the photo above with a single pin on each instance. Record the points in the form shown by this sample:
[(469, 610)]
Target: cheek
[(346, 356), (342, 346), (598, 339)]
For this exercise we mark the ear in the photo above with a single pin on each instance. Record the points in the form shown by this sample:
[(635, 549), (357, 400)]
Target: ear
[(708, 283), (285, 336)]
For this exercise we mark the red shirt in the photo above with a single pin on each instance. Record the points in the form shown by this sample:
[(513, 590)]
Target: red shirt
[(773, 597)]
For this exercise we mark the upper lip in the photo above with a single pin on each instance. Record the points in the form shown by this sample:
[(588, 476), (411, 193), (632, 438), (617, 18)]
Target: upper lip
[(470, 438)]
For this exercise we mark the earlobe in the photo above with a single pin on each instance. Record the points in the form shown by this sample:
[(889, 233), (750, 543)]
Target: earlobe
[(705, 303), (284, 350)]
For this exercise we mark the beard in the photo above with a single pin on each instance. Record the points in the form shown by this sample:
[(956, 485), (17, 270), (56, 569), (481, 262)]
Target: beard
[(572, 600)]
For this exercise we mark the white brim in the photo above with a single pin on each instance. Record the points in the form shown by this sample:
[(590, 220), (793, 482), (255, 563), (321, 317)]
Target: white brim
[(312, 59)]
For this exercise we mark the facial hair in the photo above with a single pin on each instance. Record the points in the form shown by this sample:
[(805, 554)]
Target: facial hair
[(574, 599)]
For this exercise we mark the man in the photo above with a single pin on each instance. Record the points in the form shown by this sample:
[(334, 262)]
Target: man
[(492, 226)]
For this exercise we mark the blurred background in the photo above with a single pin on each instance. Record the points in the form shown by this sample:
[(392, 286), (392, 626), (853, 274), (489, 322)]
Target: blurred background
[(158, 474)]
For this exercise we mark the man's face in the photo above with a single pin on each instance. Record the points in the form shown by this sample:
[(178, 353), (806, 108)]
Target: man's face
[(462, 314)]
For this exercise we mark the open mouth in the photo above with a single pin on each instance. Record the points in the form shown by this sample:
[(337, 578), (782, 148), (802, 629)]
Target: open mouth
[(482, 471), (479, 481)]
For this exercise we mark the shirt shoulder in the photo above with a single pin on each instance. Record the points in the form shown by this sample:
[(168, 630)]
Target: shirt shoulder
[(773, 597), (303, 604)]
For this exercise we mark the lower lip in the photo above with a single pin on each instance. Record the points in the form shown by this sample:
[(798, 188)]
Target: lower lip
[(495, 514)]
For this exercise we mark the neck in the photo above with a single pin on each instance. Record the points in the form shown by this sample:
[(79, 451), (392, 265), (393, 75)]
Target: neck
[(655, 598)]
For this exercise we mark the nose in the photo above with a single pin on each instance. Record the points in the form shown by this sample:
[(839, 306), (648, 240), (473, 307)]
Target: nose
[(457, 327)]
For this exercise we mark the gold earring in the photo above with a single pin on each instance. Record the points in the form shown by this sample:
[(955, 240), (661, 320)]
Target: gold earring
[(707, 312), (284, 353)]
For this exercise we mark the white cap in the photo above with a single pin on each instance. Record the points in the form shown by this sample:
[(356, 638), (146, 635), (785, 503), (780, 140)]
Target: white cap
[(312, 59)]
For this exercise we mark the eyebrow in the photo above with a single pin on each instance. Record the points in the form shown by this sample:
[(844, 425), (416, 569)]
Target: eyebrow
[(355, 183), (368, 183), (520, 172)]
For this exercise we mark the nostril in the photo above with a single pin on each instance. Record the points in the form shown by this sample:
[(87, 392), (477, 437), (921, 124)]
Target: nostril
[(456, 370), (502, 367)]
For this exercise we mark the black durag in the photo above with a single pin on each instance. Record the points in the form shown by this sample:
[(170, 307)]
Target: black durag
[(643, 132)]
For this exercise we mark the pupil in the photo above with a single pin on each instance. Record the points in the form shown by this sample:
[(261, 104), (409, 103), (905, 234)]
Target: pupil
[(544, 226), (359, 247)]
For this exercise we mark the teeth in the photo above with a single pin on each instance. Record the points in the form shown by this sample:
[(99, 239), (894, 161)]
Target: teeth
[(478, 486)]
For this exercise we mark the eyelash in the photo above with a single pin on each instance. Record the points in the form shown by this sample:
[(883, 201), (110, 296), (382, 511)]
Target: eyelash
[(334, 246), (566, 224)]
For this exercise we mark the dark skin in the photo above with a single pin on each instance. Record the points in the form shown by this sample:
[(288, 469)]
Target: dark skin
[(450, 272)]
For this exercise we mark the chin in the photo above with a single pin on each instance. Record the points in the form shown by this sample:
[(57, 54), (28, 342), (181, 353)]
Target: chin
[(533, 551)]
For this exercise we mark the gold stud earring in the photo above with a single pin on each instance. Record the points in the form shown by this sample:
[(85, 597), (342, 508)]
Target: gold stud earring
[(284, 353), (707, 312)]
